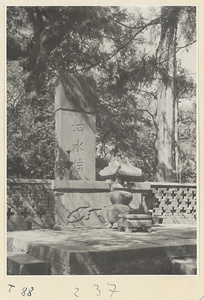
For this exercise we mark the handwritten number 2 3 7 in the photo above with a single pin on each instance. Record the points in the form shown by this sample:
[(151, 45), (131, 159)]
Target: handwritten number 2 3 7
[(98, 292)]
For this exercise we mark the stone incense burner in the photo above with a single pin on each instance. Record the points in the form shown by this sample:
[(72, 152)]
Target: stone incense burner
[(120, 173)]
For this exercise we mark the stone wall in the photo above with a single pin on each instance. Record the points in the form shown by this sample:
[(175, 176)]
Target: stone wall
[(30, 204), (173, 203)]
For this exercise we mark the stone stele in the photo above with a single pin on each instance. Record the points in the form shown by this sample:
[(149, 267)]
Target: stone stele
[(75, 103)]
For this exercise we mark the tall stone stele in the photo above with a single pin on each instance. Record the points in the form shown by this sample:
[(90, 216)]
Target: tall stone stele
[(75, 105), (79, 199)]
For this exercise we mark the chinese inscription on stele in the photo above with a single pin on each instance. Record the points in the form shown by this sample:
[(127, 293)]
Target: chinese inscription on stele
[(78, 145)]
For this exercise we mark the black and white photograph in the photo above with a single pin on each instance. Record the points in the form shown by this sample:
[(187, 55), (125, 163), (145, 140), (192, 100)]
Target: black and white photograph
[(102, 142)]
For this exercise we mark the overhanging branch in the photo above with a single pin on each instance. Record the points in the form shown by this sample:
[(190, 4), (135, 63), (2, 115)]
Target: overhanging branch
[(182, 47), (153, 22)]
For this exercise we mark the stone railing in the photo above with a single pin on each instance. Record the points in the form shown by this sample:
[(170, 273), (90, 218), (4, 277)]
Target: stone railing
[(30, 204), (173, 203)]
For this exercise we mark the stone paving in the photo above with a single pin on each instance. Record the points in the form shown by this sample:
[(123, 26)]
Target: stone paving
[(85, 239), (93, 251)]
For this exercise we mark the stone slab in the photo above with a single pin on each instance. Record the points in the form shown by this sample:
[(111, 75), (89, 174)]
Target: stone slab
[(75, 126), (82, 186), (78, 89), (172, 184), (76, 209), (24, 264), (141, 186), (100, 251), (135, 216)]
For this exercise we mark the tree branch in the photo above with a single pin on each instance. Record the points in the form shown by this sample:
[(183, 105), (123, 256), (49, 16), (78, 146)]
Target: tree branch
[(153, 22), (190, 43), (147, 92), (122, 24), (146, 110), (177, 50)]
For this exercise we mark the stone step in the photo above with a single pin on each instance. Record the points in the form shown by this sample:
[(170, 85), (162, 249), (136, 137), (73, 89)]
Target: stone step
[(20, 263), (184, 266)]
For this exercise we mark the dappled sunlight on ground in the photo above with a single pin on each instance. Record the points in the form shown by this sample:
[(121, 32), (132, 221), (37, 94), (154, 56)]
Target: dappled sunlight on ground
[(101, 238)]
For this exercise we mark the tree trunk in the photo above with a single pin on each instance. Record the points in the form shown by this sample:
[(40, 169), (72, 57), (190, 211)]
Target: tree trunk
[(166, 118)]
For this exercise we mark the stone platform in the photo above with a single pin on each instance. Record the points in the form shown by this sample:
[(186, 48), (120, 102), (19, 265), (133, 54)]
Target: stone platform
[(168, 249)]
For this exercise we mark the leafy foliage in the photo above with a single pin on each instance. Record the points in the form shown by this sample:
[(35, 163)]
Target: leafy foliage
[(115, 47), (188, 145)]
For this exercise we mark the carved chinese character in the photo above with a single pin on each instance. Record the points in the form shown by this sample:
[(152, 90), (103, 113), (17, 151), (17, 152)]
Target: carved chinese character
[(78, 146), (78, 127), (79, 165)]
